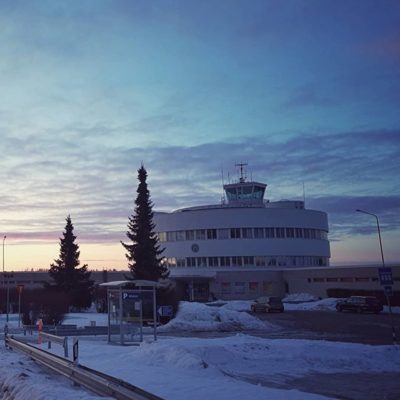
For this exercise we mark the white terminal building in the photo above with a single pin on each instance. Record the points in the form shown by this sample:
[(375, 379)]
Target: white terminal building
[(239, 248)]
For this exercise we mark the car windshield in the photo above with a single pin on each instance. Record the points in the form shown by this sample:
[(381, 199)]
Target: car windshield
[(275, 300)]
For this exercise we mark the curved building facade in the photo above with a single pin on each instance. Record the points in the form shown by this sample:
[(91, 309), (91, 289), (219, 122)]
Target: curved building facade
[(243, 234)]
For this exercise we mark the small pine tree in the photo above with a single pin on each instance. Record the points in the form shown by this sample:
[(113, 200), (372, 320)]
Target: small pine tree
[(67, 277), (143, 254)]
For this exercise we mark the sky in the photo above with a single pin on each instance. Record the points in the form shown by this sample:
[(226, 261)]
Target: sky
[(303, 91)]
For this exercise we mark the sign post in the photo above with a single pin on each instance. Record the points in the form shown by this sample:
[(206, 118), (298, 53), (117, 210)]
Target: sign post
[(20, 288), (386, 280)]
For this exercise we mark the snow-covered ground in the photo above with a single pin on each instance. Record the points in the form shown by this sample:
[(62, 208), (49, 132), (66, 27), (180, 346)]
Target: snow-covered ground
[(239, 366)]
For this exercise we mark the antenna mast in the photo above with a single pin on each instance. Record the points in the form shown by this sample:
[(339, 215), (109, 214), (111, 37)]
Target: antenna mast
[(242, 176)]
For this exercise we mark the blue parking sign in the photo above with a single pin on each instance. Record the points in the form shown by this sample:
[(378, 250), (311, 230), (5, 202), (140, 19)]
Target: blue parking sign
[(385, 276)]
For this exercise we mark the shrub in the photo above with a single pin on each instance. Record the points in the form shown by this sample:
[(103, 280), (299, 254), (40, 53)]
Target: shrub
[(45, 304)]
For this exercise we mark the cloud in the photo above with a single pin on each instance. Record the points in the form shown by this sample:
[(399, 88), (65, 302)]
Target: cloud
[(306, 96)]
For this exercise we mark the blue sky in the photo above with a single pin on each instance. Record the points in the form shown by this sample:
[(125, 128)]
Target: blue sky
[(303, 91)]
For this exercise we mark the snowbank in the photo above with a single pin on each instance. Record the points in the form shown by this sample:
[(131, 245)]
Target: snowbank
[(299, 298), (200, 317)]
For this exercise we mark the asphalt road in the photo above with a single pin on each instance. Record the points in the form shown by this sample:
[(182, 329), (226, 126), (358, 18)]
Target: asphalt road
[(375, 329)]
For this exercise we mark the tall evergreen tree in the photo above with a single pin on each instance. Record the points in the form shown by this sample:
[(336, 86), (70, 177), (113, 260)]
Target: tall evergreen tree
[(144, 253), (67, 277)]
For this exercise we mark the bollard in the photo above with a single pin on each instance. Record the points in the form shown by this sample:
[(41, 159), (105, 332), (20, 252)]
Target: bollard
[(5, 335), (75, 351), (40, 327)]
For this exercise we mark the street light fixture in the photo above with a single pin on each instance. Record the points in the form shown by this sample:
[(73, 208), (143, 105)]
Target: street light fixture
[(379, 232), (383, 265)]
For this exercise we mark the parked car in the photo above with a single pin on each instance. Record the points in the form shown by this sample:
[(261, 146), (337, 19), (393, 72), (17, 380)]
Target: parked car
[(267, 304), (360, 304)]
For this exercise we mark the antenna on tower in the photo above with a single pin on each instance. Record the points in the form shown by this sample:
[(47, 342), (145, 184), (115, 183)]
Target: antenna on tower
[(304, 196), (242, 176), (222, 178)]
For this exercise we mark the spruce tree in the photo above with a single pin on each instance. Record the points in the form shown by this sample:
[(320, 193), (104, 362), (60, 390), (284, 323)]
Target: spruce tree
[(143, 254), (67, 277)]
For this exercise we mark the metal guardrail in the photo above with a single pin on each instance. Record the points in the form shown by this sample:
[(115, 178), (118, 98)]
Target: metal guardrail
[(50, 338), (98, 382)]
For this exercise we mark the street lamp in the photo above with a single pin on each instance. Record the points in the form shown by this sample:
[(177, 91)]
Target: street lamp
[(379, 232), (383, 265), (4, 278)]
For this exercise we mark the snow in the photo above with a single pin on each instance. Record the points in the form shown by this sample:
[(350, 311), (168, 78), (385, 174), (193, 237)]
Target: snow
[(235, 367), (200, 317), (299, 298)]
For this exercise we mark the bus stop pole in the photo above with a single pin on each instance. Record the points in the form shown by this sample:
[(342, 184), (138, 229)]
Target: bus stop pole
[(155, 312)]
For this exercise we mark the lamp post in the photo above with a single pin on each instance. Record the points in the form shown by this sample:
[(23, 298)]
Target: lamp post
[(4, 278), (383, 265)]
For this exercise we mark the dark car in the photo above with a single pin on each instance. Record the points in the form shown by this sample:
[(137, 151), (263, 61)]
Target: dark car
[(267, 304), (360, 304)]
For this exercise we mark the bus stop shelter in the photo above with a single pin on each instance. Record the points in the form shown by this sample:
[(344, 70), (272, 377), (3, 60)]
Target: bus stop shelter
[(130, 305)]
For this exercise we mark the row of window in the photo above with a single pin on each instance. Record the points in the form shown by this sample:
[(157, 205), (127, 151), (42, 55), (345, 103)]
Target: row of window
[(247, 261), (244, 287), (243, 233), (348, 279)]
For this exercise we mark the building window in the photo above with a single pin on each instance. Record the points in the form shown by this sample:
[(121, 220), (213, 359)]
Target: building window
[(223, 233), (225, 287), (319, 280), (362, 279), (190, 235), (213, 261), (200, 234), (171, 236), (247, 233), (347, 279), (269, 232), (282, 261), (191, 261), (290, 232), (211, 233), (248, 261), (300, 261), (236, 261), (240, 287), (180, 262), (253, 287), (331, 279), (180, 235), (306, 233), (225, 261), (235, 233), (299, 233), (259, 233), (162, 236), (271, 261), (201, 261), (260, 261), (313, 234), (171, 262), (280, 233)]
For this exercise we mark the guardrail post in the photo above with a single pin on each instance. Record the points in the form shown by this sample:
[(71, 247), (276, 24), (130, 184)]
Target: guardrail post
[(5, 335), (75, 351), (65, 345)]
